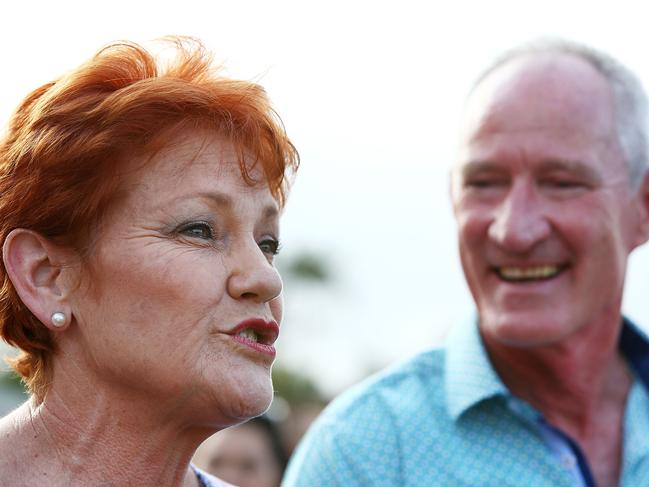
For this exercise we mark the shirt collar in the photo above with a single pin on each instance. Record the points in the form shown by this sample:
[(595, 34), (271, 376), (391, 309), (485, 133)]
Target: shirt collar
[(634, 345), (469, 377)]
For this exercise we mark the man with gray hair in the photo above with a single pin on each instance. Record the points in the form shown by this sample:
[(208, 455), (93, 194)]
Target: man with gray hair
[(549, 387)]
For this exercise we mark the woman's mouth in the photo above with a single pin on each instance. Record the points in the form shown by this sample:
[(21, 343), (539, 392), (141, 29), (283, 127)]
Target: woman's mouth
[(258, 334)]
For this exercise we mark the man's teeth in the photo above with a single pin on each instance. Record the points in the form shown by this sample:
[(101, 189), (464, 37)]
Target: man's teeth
[(522, 274), (249, 333)]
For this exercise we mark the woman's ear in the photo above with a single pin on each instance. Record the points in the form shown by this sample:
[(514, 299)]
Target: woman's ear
[(34, 266)]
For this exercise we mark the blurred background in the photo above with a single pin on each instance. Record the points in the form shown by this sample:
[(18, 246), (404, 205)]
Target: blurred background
[(371, 94)]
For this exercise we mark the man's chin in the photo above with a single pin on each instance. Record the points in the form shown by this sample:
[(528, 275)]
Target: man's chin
[(523, 330)]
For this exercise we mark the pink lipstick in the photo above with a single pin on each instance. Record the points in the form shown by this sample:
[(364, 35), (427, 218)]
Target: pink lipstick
[(257, 334)]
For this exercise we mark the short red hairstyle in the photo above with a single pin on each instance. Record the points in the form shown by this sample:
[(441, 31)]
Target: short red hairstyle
[(60, 157)]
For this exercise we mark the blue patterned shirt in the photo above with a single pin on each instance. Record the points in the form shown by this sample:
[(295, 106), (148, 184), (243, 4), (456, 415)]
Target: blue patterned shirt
[(207, 480), (445, 418)]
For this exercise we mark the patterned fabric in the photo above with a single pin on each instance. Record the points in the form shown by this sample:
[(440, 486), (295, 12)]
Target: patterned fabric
[(445, 418)]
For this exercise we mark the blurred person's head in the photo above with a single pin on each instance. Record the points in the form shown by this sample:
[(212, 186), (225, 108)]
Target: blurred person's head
[(302, 415), (550, 192), (247, 455)]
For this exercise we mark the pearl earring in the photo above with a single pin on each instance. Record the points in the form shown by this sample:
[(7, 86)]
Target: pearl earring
[(59, 319)]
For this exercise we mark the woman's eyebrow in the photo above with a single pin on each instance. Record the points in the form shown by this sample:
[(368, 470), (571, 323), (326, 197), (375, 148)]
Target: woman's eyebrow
[(224, 200)]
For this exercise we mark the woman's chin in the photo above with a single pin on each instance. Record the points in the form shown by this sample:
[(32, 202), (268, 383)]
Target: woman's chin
[(244, 399), (254, 405)]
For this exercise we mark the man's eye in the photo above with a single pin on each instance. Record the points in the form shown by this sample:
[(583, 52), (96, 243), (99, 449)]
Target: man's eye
[(563, 187), (561, 183), (269, 246), (484, 183), (201, 230)]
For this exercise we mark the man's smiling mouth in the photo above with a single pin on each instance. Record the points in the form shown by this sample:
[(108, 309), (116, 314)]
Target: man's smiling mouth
[(532, 273)]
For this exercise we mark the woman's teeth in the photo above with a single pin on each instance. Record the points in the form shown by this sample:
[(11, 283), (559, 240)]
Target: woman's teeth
[(528, 273), (249, 334)]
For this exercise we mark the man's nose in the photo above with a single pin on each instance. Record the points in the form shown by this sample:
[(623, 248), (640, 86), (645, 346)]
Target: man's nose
[(520, 222)]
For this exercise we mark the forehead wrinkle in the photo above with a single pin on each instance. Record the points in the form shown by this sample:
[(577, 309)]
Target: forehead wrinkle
[(228, 202), (488, 123), (543, 92), (218, 198)]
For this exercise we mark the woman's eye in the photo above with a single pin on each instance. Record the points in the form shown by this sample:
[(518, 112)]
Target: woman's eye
[(201, 230), (269, 246)]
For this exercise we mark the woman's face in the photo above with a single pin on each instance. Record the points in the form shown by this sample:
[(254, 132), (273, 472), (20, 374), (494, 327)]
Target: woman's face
[(183, 302)]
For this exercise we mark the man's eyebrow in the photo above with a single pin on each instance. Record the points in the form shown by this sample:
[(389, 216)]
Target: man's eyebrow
[(475, 167), (576, 167)]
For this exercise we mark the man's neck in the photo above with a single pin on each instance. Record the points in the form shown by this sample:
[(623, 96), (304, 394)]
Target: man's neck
[(570, 380), (580, 386)]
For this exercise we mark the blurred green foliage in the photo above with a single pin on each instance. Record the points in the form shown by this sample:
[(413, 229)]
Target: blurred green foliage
[(295, 387), (308, 266), (10, 380)]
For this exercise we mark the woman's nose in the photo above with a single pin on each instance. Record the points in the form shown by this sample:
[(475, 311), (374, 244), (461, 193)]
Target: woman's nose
[(252, 276)]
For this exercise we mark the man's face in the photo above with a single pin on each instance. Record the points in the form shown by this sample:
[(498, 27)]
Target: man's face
[(545, 210)]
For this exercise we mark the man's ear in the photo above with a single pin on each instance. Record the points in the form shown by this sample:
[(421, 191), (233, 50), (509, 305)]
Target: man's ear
[(642, 200), (34, 266), (453, 186)]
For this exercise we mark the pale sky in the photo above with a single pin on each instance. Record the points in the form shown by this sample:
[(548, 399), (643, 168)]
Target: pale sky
[(371, 93)]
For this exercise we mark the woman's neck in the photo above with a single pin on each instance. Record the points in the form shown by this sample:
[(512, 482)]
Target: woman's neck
[(95, 440)]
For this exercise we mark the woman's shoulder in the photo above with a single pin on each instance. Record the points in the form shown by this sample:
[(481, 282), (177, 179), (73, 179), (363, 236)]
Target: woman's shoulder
[(208, 480), (13, 428), (16, 446)]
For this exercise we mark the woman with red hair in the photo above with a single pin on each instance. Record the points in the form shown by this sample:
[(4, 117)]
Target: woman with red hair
[(139, 208)]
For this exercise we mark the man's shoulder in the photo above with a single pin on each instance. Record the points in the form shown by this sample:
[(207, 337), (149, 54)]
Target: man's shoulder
[(361, 436), (408, 383)]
